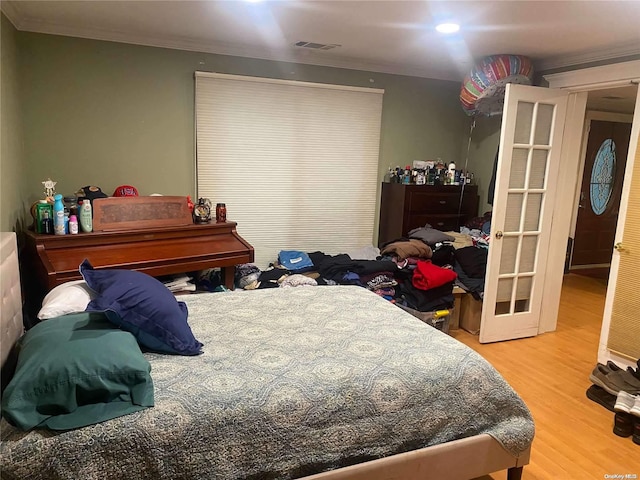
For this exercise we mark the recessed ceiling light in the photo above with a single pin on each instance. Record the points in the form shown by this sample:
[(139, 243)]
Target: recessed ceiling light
[(448, 27)]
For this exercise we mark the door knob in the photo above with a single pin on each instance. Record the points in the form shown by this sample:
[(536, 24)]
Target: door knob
[(619, 246), (499, 234)]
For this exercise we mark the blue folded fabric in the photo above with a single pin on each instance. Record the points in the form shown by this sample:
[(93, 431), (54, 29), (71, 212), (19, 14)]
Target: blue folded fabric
[(142, 305), (294, 260)]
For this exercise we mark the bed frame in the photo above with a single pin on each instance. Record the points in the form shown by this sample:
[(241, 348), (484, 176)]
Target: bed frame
[(460, 459)]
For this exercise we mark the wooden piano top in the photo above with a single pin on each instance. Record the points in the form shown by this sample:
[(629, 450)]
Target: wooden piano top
[(54, 259)]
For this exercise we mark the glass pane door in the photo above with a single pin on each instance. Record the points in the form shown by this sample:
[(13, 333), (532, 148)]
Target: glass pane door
[(525, 187)]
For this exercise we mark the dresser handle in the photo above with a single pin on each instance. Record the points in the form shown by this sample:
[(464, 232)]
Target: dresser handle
[(440, 224), (443, 202)]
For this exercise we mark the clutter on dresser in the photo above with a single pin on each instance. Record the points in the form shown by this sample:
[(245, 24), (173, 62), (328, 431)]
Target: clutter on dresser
[(430, 172)]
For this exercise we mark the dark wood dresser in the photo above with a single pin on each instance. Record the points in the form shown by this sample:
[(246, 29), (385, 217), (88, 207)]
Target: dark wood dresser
[(405, 207), (49, 260)]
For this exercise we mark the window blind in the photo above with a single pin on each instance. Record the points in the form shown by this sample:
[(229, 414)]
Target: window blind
[(296, 163)]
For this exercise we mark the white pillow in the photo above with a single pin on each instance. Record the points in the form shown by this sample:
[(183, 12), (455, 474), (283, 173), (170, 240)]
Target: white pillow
[(70, 297)]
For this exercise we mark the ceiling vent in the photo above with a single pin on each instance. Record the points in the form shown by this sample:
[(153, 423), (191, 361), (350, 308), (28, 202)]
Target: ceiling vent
[(317, 46)]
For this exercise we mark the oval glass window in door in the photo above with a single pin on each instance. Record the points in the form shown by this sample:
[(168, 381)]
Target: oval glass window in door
[(602, 176)]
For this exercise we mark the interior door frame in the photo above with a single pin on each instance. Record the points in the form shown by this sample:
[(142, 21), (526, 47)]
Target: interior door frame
[(579, 83), (591, 115)]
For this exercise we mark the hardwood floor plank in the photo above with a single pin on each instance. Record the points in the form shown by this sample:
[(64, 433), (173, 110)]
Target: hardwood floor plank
[(574, 437)]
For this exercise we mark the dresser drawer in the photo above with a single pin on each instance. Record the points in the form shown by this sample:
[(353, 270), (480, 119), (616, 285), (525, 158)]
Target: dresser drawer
[(427, 202), (445, 223)]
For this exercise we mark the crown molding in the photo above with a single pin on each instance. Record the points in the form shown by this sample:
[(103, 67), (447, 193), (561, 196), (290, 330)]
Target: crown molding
[(591, 56), (614, 74), (294, 55), (12, 12)]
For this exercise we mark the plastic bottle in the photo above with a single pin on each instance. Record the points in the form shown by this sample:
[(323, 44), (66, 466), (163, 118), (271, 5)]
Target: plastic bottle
[(73, 224), (58, 215), (86, 216), (46, 224), (451, 173), (406, 179)]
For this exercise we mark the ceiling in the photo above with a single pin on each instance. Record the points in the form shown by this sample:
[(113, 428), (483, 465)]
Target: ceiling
[(383, 36)]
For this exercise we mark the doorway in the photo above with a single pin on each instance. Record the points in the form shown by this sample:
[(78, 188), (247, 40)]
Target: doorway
[(606, 147)]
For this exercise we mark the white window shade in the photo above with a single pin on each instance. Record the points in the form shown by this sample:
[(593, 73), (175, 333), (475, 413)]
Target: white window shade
[(295, 163)]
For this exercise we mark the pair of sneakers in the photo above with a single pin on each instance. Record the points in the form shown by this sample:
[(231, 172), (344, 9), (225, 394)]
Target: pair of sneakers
[(627, 417), (614, 379)]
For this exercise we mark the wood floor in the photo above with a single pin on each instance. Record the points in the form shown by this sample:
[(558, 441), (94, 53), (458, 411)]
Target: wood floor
[(574, 438)]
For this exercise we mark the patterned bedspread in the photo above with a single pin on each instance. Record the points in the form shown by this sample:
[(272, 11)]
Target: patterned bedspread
[(293, 381)]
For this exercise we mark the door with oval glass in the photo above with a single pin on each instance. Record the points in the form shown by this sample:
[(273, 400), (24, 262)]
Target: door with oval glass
[(602, 179)]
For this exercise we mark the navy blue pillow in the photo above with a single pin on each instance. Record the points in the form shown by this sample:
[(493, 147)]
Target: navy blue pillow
[(142, 305)]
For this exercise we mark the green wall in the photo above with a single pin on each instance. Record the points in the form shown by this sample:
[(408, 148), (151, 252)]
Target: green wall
[(107, 114), (485, 139), (13, 175)]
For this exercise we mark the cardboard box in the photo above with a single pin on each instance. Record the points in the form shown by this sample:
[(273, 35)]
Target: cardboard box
[(454, 321), (470, 314)]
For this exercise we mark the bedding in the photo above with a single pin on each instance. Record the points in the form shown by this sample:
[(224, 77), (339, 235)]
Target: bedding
[(76, 370), (69, 297), (291, 382), (142, 305)]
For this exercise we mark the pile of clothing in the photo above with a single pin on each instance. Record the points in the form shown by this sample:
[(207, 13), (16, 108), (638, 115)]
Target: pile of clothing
[(425, 272), (296, 268), (414, 272)]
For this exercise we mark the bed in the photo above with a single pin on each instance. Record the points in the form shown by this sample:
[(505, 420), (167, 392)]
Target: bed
[(309, 382)]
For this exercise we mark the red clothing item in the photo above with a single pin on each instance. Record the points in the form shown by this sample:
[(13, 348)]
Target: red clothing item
[(427, 275)]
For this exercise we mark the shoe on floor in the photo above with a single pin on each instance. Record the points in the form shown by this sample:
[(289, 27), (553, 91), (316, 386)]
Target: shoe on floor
[(614, 381), (601, 397), (635, 408), (612, 366), (615, 368), (625, 402), (623, 424)]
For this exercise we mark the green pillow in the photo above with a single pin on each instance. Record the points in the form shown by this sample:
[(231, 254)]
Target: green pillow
[(76, 370)]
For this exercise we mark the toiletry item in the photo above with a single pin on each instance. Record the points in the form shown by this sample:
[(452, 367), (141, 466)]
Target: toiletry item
[(58, 215), (46, 224), (73, 224), (86, 220), (406, 178), (41, 207), (71, 204), (451, 173)]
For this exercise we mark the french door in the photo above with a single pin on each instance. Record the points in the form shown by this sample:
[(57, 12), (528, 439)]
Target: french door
[(526, 182)]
